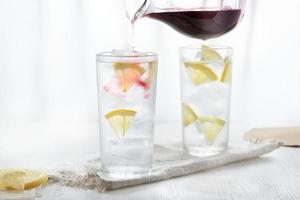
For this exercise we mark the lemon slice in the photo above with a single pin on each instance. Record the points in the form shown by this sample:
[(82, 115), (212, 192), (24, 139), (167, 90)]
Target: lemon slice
[(151, 73), (11, 179), (148, 77), (225, 78), (200, 73), (16, 179), (127, 74), (208, 54), (189, 116), (34, 179), (212, 126), (120, 120)]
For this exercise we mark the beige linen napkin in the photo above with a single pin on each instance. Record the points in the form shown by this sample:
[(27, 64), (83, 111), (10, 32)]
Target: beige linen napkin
[(168, 163), (289, 136)]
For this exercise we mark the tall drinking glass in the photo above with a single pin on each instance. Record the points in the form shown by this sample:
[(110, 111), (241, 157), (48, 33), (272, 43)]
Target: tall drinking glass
[(126, 99), (205, 97)]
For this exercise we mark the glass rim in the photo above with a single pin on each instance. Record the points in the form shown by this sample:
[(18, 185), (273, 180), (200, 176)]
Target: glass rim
[(135, 54), (200, 47)]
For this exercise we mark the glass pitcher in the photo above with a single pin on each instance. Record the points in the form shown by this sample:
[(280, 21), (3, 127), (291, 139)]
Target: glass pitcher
[(202, 19)]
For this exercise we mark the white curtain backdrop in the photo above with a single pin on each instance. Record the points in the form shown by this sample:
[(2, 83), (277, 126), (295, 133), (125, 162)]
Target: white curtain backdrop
[(48, 47)]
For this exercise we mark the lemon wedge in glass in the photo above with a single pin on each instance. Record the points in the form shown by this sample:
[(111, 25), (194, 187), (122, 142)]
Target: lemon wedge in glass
[(189, 116), (127, 74), (212, 126), (200, 73), (208, 54), (225, 77), (120, 120), (21, 179), (151, 73)]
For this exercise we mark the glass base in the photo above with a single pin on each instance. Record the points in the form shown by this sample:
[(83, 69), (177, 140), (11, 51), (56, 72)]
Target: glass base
[(205, 151), (124, 172)]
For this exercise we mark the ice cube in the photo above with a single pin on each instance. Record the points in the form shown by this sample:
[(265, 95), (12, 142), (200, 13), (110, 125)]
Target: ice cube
[(208, 99), (127, 53)]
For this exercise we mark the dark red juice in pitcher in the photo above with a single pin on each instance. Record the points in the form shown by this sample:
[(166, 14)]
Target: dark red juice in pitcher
[(202, 24)]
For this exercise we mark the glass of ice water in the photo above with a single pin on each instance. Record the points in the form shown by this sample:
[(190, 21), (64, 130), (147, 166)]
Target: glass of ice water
[(205, 98), (126, 99)]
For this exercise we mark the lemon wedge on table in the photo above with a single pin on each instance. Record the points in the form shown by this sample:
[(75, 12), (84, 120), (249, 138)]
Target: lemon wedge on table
[(21, 179), (212, 126), (208, 54), (120, 120), (200, 73), (189, 116), (127, 74), (225, 78)]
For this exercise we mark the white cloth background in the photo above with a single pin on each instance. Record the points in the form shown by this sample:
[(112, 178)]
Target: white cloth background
[(47, 61), (48, 47)]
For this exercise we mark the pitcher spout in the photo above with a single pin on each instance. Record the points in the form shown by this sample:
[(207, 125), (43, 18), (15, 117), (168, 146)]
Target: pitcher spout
[(136, 9)]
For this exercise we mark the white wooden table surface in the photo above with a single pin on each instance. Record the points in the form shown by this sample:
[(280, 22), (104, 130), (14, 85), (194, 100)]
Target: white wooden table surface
[(274, 176)]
